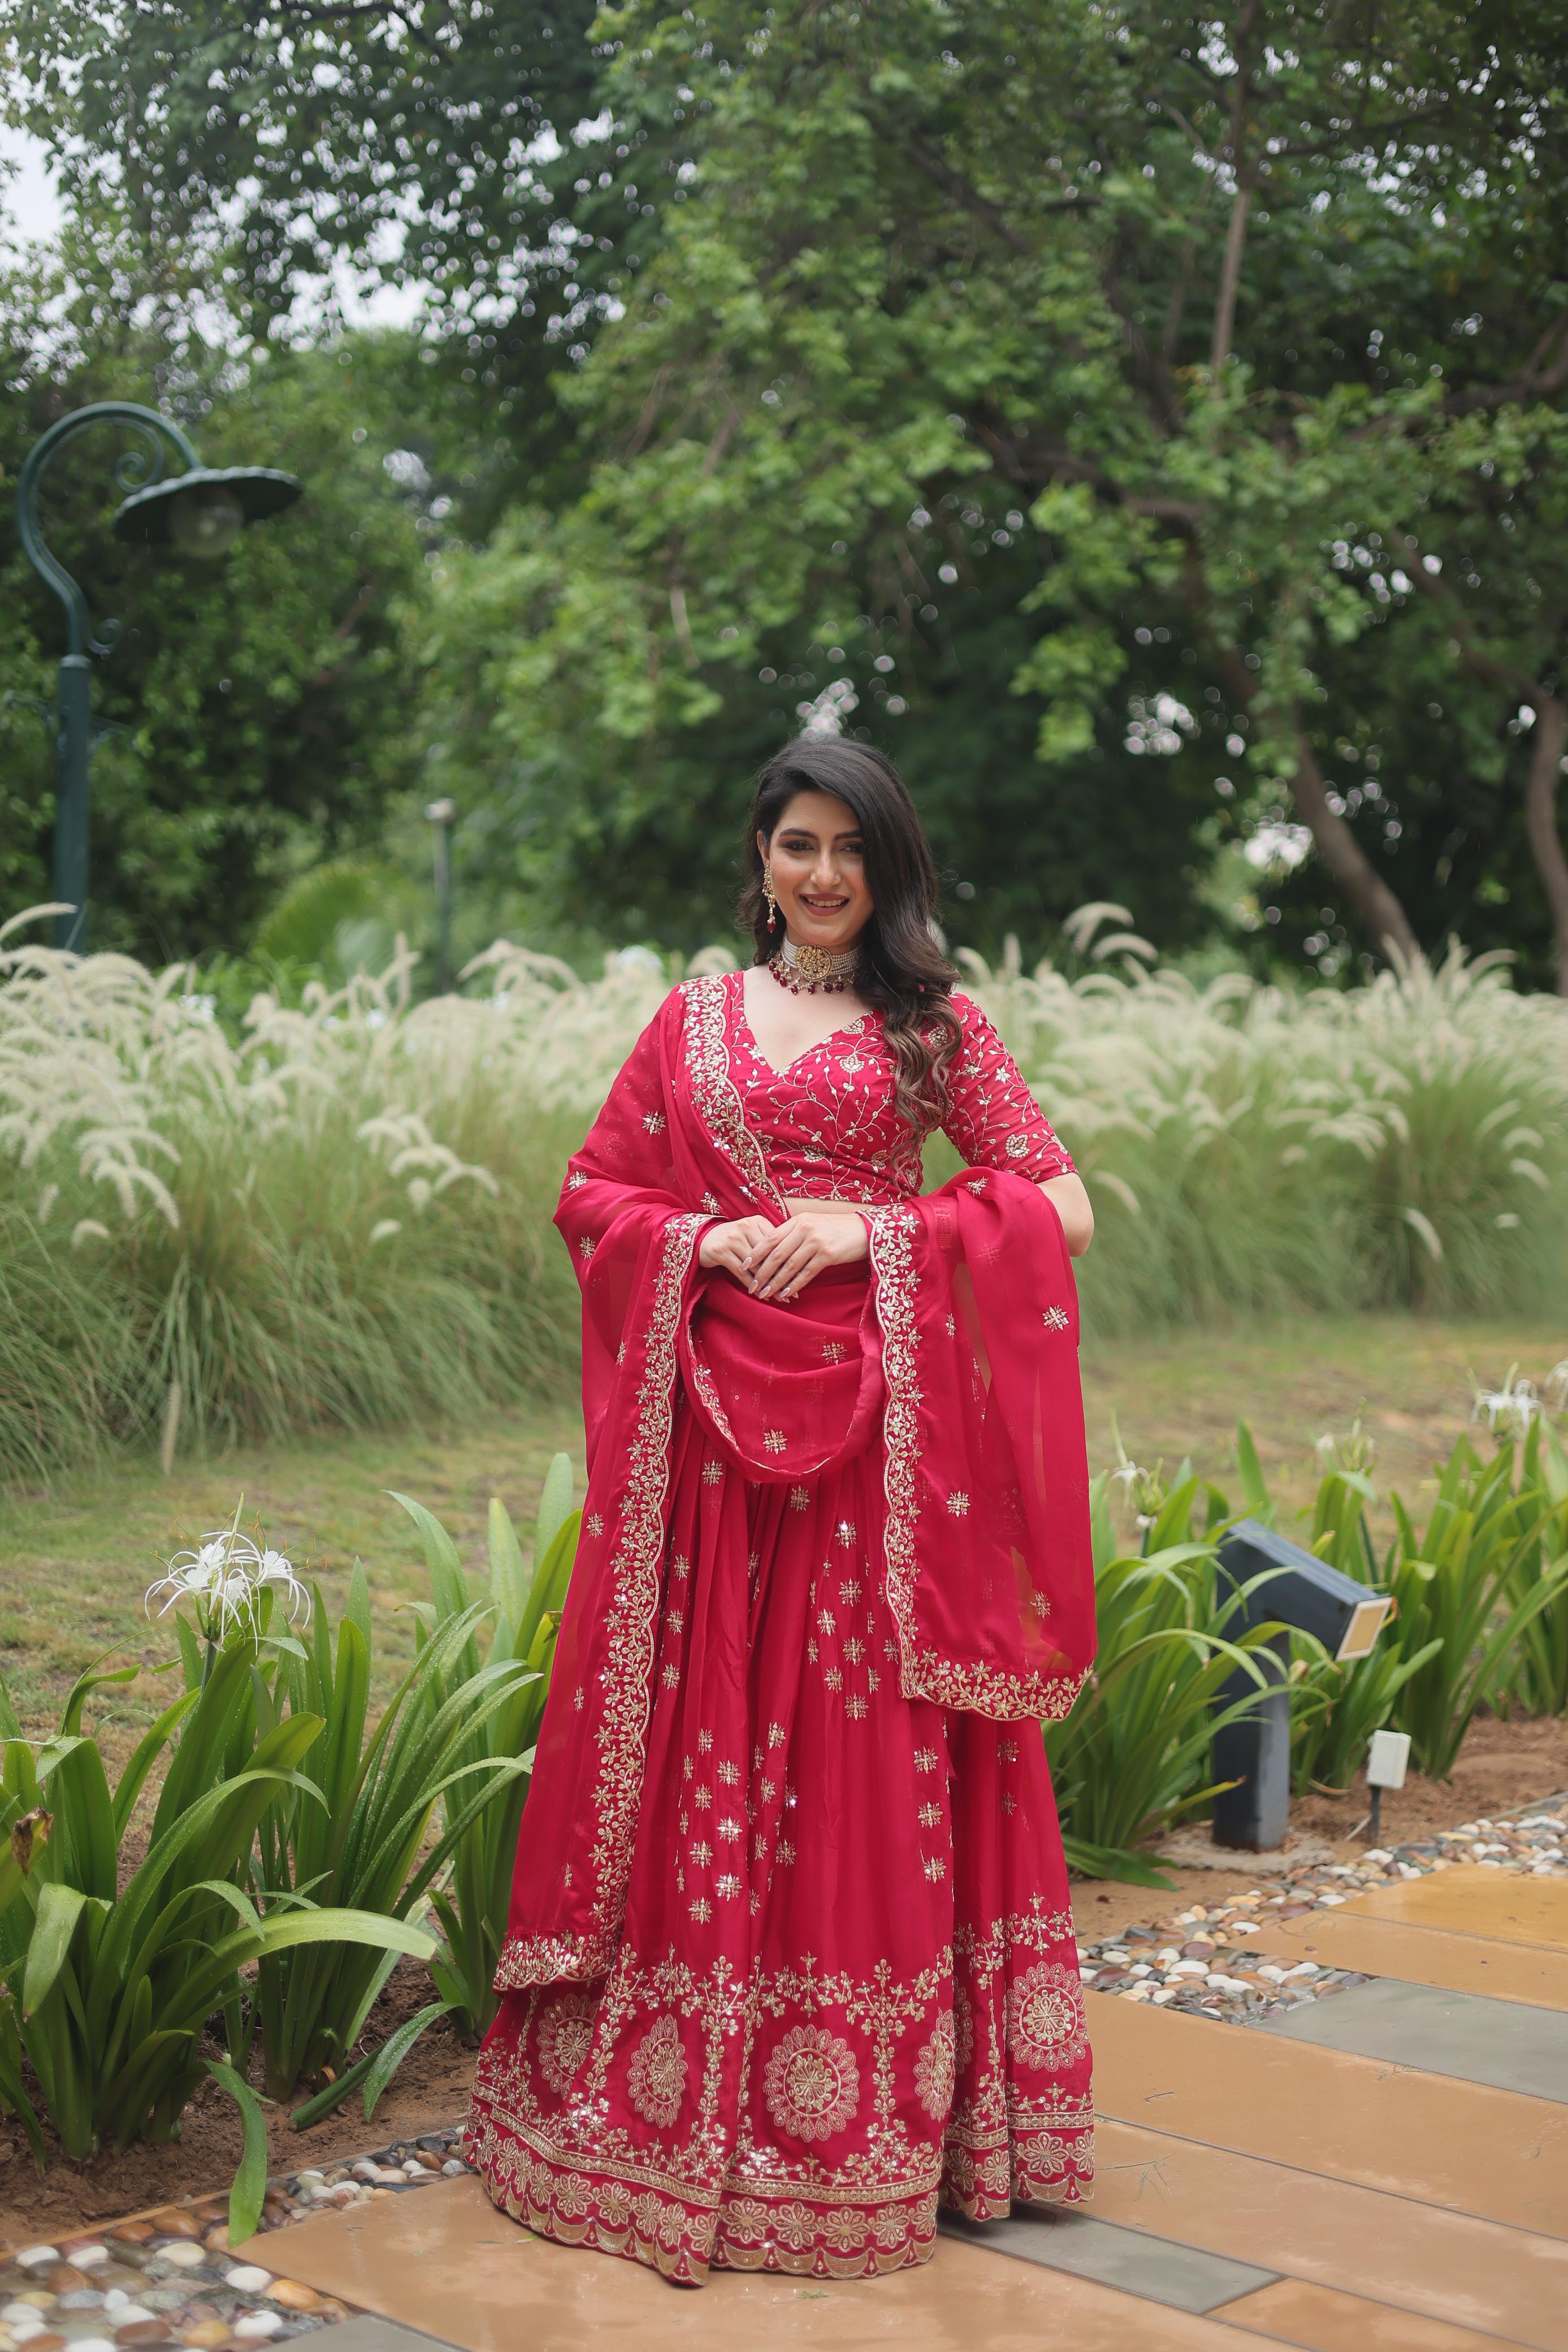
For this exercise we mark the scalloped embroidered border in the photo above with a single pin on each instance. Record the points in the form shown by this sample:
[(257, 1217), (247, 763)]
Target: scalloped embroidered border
[(629, 1643), (925, 1674)]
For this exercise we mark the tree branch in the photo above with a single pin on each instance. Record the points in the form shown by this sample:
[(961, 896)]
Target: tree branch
[(1377, 910), (1540, 816)]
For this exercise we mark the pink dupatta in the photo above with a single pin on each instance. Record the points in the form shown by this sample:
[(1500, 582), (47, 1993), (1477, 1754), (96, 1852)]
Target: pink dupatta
[(957, 1352)]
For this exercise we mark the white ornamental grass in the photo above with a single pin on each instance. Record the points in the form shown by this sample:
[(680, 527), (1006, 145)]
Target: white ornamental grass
[(342, 1215)]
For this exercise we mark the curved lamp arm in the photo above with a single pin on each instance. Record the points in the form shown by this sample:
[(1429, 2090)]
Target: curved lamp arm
[(135, 469)]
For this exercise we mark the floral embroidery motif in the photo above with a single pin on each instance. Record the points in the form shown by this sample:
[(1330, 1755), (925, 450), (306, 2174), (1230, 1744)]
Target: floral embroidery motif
[(774, 1440), (565, 2038), (1057, 1319), (656, 2079), (1017, 1147), (1046, 2025), (959, 1504), (811, 2083), (935, 2069)]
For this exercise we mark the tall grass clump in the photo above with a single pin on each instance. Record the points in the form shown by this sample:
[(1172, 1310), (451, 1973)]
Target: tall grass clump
[(341, 1215), (1252, 1148)]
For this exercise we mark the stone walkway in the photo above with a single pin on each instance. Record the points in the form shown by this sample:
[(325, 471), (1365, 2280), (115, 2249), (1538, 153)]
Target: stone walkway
[(1381, 2170)]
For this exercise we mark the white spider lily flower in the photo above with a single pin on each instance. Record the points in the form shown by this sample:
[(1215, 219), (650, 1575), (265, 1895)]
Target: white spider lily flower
[(1507, 1411), (223, 1574)]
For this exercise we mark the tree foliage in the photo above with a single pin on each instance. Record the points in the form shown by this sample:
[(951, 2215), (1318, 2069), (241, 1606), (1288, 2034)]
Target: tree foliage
[(1151, 418)]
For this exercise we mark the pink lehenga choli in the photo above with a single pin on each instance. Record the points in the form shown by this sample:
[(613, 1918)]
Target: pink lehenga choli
[(791, 1958)]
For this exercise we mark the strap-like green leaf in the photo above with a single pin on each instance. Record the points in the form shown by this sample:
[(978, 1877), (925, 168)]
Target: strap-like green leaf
[(59, 1909), (395, 2049), (249, 2190)]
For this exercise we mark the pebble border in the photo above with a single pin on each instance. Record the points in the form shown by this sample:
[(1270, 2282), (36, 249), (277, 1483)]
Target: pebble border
[(168, 2278), (1214, 1960)]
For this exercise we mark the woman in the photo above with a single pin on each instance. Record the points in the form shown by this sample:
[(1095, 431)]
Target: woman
[(790, 1953)]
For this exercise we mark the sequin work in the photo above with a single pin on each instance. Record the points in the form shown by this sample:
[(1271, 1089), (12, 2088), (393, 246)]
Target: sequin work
[(828, 1129)]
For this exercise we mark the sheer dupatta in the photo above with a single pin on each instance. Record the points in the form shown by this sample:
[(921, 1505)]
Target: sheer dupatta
[(958, 1356)]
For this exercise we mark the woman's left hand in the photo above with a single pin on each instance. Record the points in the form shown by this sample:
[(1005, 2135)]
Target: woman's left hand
[(796, 1252)]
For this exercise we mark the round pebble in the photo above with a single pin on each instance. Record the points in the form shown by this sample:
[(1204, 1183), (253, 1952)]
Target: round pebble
[(251, 2326), (247, 2278), (33, 2257), (293, 2294), (185, 2254), (205, 2335)]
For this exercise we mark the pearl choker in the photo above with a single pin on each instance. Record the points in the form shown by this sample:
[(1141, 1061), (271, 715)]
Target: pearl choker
[(815, 972)]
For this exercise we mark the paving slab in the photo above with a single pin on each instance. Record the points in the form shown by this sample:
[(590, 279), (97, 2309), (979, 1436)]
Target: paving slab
[(368, 2332), (1462, 2034), (1350, 1938), (1465, 2145), (1187, 2277), (1423, 2258), (1324, 2321), (446, 2263), (1471, 1900)]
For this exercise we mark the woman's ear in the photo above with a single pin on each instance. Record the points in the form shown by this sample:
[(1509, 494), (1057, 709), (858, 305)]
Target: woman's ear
[(762, 844)]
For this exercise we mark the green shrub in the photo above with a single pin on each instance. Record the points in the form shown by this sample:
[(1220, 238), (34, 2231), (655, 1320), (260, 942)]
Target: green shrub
[(105, 1989)]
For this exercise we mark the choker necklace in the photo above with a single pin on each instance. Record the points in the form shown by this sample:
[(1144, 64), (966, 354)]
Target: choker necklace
[(815, 972)]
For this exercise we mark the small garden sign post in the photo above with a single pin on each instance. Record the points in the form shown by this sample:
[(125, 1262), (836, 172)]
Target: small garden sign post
[(198, 510)]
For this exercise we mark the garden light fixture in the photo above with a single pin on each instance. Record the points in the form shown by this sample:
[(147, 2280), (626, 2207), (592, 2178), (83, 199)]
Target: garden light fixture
[(1280, 1583), (200, 511)]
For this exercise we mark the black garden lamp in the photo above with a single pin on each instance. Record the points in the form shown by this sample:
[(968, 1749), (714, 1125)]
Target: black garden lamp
[(199, 512), (1305, 1593)]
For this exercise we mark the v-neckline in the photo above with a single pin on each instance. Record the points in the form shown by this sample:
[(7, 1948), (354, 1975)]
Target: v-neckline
[(844, 1030)]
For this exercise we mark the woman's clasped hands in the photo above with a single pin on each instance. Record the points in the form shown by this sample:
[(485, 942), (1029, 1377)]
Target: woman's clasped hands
[(777, 1261)]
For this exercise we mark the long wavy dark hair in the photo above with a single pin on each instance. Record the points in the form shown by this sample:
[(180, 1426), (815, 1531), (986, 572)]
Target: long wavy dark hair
[(903, 971)]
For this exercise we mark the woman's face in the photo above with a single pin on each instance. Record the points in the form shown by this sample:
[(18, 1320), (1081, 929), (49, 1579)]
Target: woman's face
[(818, 871)]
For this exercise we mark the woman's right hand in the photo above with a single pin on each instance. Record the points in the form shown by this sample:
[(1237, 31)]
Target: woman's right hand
[(730, 1245)]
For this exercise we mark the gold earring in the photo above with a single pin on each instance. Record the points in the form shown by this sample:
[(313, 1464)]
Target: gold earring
[(768, 894)]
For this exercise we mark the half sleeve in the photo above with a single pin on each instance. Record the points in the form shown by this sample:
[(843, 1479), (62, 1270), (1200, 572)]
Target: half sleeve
[(995, 1120)]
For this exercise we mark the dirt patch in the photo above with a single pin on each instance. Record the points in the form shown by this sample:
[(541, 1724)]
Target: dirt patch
[(1500, 1768), (429, 2091)]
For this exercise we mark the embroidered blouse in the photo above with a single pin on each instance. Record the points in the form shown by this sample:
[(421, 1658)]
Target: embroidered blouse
[(828, 1129)]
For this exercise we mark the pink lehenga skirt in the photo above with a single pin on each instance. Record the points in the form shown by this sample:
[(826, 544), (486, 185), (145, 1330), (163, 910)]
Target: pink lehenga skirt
[(847, 1989)]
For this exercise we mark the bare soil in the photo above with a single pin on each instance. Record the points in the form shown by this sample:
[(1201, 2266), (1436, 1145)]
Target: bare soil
[(429, 2092)]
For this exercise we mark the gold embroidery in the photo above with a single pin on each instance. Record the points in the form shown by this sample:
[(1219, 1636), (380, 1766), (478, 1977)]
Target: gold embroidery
[(713, 1091), (811, 2083), (977, 1688), (656, 2079), (629, 1642), (1046, 2024)]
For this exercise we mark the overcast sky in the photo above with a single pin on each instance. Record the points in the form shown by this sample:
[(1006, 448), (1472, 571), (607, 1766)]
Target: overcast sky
[(27, 200)]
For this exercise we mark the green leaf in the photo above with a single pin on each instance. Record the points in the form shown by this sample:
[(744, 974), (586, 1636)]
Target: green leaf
[(59, 1909), (555, 1503), (249, 2190), (395, 2049), (509, 1577), (1254, 1486), (1115, 1862)]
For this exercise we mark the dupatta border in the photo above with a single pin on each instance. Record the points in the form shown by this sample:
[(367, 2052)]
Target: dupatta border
[(714, 1094), (628, 1645), (925, 1674)]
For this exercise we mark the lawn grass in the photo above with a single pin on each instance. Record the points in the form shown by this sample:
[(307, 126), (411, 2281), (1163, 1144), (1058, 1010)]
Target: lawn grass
[(75, 1559)]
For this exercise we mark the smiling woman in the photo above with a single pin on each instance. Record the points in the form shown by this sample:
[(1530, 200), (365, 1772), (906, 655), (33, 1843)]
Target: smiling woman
[(790, 1956)]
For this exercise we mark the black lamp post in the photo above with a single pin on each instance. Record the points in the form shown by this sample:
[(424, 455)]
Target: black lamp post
[(201, 513)]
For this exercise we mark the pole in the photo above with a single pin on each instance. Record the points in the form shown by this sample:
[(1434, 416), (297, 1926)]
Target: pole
[(136, 467), (443, 815), (75, 746)]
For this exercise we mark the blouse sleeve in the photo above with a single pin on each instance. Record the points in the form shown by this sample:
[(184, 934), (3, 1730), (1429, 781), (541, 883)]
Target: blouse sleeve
[(995, 1122)]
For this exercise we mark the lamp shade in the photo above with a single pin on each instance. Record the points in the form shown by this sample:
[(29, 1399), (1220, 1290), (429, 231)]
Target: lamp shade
[(1303, 1590), (196, 510)]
